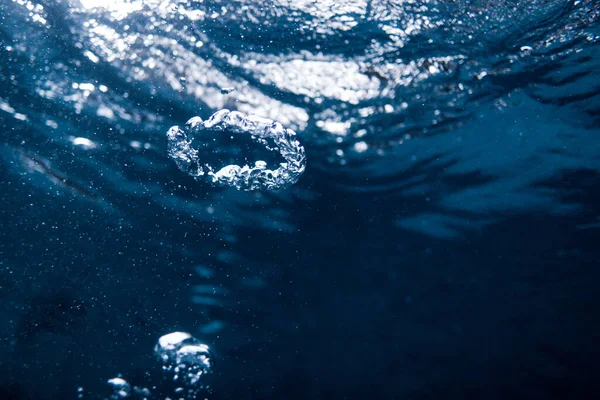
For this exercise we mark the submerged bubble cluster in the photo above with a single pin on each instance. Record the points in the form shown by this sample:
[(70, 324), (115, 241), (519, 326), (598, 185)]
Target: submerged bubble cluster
[(189, 148), (184, 356), (123, 390)]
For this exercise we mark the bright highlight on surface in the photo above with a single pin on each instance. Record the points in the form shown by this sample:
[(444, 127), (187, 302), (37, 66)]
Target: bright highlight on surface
[(185, 146)]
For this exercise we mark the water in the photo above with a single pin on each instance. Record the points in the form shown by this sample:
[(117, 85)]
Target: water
[(441, 242)]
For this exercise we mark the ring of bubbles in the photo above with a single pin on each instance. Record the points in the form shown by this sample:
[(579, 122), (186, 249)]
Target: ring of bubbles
[(271, 134)]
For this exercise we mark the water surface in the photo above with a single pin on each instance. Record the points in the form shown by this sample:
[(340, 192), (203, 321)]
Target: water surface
[(442, 242)]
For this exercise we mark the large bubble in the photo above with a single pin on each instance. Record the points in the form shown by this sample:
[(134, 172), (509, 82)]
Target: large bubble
[(200, 149)]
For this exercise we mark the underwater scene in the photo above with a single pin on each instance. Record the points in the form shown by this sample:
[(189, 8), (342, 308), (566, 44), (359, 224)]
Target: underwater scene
[(299, 199)]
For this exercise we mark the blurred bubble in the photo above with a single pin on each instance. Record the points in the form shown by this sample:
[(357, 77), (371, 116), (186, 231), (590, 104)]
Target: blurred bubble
[(185, 357), (121, 388)]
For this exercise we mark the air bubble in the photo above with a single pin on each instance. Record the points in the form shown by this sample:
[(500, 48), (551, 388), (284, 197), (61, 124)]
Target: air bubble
[(121, 388), (184, 356), (190, 147)]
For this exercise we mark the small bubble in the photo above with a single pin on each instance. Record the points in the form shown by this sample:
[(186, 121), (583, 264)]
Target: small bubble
[(121, 388), (260, 164), (142, 391), (183, 83)]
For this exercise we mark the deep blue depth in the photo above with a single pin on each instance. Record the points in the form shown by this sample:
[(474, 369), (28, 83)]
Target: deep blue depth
[(442, 243)]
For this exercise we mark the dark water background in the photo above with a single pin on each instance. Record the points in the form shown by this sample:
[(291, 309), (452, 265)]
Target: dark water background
[(443, 242)]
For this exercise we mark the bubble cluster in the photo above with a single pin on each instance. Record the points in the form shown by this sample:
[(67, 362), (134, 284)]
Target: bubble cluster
[(185, 356), (123, 390), (188, 147)]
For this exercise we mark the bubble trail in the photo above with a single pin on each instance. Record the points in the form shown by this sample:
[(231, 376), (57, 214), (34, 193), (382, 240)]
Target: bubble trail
[(188, 146), (185, 356)]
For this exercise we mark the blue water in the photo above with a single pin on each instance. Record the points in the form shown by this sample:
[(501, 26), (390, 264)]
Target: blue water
[(442, 242)]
